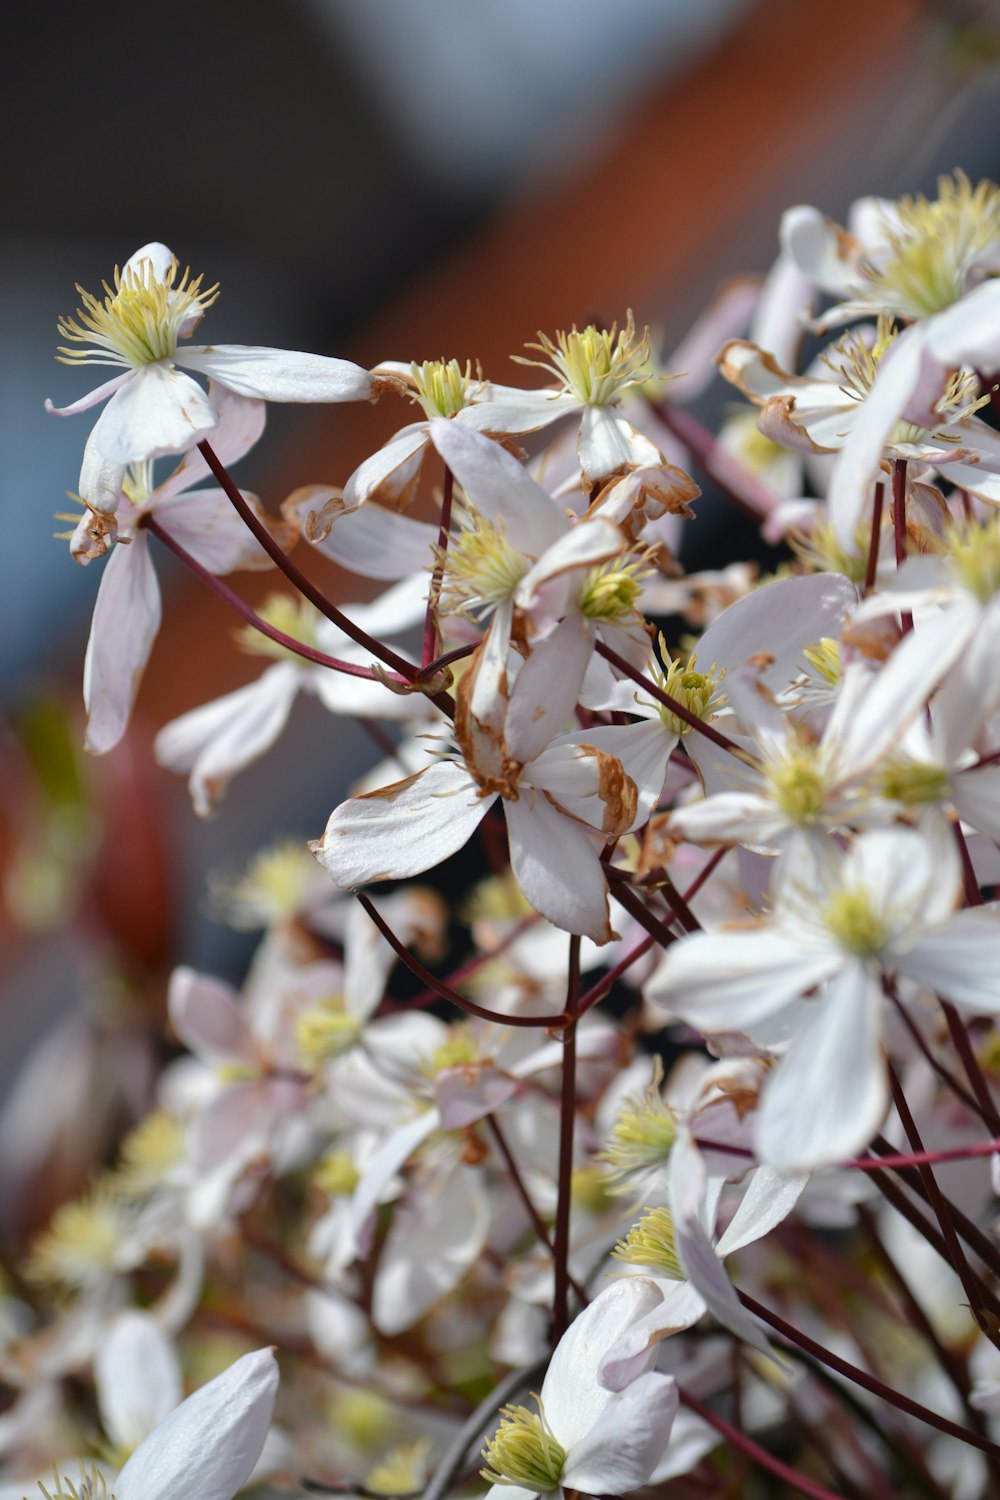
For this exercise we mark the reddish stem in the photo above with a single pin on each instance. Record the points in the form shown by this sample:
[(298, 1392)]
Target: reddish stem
[(744, 1444), (684, 714), (309, 653), (437, 577), (444, 990), (567, 1121), (871, 566), (899, 526)]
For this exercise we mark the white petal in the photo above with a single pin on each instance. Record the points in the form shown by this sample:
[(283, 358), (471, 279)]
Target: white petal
[(206, 525), (126, 619), (436, 1236), (220, 739), (829, 1094), (728, 981), (391, 473), (371, 541), (622, 1448), (207, 1447), (92, 398), (572, 1398), (608, 443), (557, 867), (402, 829), (780, 620), (100, 482), (240, 424), (279, 374), (547, 688), (138, 1378), (769, 1198), (158, 410), (498, 486), (962, 962)]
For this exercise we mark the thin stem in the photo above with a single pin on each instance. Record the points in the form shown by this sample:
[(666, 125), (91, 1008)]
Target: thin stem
[(308, 589), (309, 653), (471, 966), (792, 1338), (946, 1076), (871, 566), (603, 985), (472, 1432), (952, 1364), (937, 1201), (538, 1223), (970, 1062), (638, 910), (873, 1164), (684, 714), (899, 526), (444, 990), (973, 1236), (567, 1121), (744, 1444), (437, 577), (973, 896)]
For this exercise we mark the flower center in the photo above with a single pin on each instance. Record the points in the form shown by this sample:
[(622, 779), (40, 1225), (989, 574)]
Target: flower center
[(403, 1470), (595, 364), (441, 386), (610, 591), (975, 557), (935, 245), (83, 1243), (852, 918), (92, 1486), (651, 1242), (337, 1174), (138, 322), (482, 569), (643, 1133), (150, 1152), (696, 691), (589, 1189), (459, 1051), (913, 782), (524, 1451), (274, 885), (325, 1031), (798, 783), (294, 617)]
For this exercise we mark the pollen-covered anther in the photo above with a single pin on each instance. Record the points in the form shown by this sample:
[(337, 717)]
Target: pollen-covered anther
[(482, 569), (935, 244), (696, 691), (271, 889), (915, 783), (643, 1133), (139, 321), (652, 1242), (323, 1032), (337, 1174), (611, 590), (83, 1243), (799, 783), (596, 364), (441, 387), (974, 557), (92, 1485), (851, 917), (524, 1451)]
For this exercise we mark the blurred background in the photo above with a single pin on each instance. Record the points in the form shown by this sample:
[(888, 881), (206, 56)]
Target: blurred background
[(376, 179)]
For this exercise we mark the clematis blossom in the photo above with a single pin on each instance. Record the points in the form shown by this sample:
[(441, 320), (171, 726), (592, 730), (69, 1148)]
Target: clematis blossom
[(153, 406)]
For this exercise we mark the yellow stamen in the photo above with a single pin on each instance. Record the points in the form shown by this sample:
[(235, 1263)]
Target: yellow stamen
[(596, 364), (293, 617), (442, 388), (482, 569), (696, 691), (272, 889), (138, 322), (851, 917), (652, 1242), (524, 1451)]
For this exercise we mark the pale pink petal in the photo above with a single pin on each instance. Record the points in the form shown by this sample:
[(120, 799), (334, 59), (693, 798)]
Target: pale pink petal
[(240, 425), (829, 1093), (498, 486), (391, 473), (728, 981), (371, 541), (402, 829), (818, 247), (681, 1307), (279, 374), (206, 525), (780, 620), (93, 398), (224, 1424), (547, 688), (218, 740), (585, 546), (517, 411), (208, 1018), (726, 316), (571, 1395), (126, 620)]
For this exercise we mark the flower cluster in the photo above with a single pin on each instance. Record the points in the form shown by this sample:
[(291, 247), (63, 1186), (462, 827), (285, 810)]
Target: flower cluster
[(745, 824)]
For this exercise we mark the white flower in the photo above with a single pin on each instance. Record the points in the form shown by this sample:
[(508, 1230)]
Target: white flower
[(154, 407), (584, 1437)]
